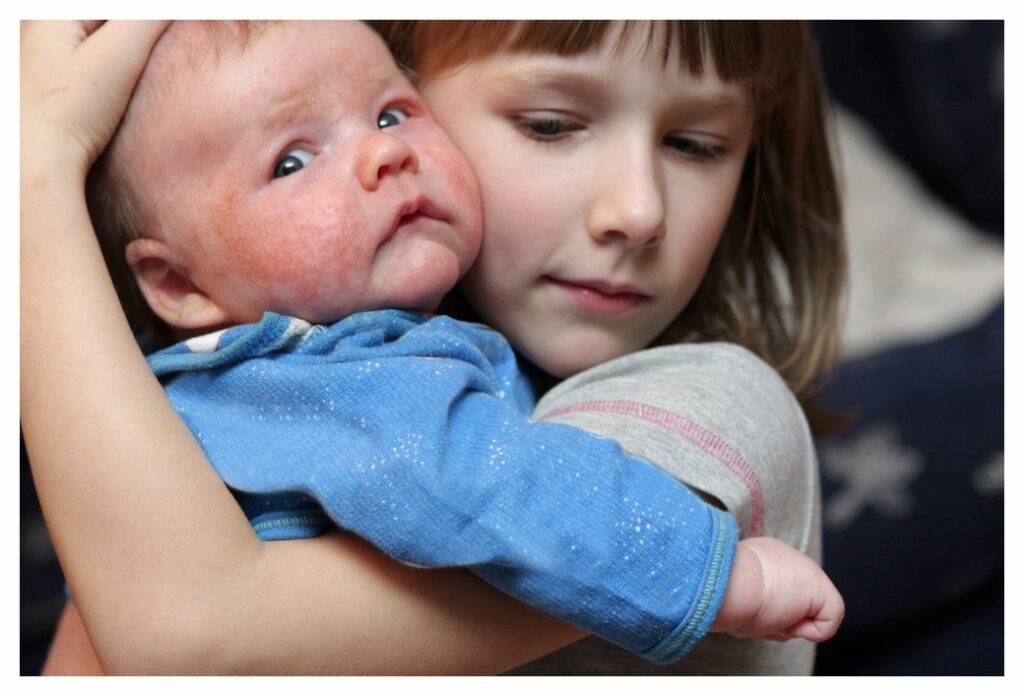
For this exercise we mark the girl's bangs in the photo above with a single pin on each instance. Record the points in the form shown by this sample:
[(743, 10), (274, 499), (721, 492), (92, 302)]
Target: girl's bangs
[(766, 55)]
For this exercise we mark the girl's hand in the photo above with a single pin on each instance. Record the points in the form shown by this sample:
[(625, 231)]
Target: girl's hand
[(76, 79)]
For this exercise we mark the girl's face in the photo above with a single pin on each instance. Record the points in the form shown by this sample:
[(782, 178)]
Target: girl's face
[(606, 180)]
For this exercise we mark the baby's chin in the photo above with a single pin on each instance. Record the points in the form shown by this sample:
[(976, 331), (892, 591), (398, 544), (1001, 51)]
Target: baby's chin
[(421, 286), (425, 301)]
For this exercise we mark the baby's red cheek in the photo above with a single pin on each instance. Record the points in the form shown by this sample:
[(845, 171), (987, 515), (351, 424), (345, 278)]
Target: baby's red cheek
[(305, 257), (455, 170), (240, 246)]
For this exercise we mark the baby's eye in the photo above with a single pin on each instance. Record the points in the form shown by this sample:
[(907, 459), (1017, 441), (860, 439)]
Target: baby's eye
[(693, 148), (294, 160), (545, 129), (391, 116)]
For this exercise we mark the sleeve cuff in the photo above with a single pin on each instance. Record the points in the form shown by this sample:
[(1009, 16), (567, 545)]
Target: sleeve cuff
[(716, 578)]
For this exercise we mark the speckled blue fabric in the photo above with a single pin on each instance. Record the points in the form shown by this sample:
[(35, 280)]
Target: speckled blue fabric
[(414, 433)]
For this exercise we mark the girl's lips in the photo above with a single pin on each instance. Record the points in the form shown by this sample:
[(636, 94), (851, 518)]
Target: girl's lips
[(600, 296)]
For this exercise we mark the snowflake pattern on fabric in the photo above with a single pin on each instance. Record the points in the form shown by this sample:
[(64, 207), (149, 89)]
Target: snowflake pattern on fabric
[(987, 479), (875, 469)]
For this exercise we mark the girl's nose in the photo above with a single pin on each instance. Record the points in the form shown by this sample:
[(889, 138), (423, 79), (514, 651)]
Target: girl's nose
[(381, 155), (628, 206)]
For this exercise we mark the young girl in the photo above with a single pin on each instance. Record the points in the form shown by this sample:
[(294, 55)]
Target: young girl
[(647, 147), (610, 312)]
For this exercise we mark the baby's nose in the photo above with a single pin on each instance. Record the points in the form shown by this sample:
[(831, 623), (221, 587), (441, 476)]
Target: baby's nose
[(382, 154)]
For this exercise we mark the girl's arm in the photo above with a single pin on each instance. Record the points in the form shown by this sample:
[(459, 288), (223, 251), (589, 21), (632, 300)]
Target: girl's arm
[(393, 620), (435, 622), (166, 571), (71, 652)]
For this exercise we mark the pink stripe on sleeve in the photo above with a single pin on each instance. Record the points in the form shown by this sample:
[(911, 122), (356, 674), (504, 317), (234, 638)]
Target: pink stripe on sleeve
[(686, 428)]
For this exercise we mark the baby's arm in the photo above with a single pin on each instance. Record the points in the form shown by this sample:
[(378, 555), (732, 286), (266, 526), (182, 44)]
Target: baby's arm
[(430, 462), (113, 463), (722, 421)]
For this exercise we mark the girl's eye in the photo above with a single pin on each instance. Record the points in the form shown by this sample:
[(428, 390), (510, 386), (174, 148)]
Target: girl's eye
[(692, 148), (294, 160), (545, 129), (391, 117)]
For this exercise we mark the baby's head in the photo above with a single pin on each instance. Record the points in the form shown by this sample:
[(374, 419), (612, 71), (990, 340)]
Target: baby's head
[(285, 167)]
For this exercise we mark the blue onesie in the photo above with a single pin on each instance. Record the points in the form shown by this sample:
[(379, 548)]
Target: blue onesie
[(414, 433)]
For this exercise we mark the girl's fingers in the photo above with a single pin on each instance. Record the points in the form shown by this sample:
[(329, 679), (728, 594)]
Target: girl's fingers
[(121, 47), (112, 58), (91, 25), (123, 36), (53, 41), (77, 78), (90, 48)]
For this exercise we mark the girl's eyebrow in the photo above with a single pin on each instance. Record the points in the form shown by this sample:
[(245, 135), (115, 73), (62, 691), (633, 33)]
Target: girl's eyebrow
[(595, 89), (542, 79)]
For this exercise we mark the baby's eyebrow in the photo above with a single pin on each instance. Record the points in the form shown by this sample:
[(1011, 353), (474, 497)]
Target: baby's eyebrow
[(288, 106)]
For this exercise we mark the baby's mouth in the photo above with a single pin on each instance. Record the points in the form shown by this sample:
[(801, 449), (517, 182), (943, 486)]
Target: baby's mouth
[(412, 212), (410, 218)]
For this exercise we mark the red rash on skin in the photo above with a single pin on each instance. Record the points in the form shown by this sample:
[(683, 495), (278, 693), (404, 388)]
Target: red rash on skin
[(463, 183), (289, 272), (309, 244)]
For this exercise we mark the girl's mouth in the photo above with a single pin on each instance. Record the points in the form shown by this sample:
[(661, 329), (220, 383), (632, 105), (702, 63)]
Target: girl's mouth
[(600, 296)]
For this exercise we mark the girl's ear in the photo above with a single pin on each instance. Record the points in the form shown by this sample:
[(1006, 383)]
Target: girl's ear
[(164, 279)]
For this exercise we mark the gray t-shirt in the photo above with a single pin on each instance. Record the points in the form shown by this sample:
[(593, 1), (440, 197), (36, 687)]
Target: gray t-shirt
[(718, 418)]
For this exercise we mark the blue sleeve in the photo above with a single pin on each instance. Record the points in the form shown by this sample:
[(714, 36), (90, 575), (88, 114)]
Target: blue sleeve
[(441, 472)]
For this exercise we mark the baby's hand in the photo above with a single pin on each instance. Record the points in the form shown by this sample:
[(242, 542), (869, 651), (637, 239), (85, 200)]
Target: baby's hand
[(76, 78), (778, 593)]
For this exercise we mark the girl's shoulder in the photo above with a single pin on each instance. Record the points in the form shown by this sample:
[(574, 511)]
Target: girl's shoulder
[(724, 368), (714, 415)]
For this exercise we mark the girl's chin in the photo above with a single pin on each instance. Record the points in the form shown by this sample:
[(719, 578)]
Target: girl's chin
[(569, 357)]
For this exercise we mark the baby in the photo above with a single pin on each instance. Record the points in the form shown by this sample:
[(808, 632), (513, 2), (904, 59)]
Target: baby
[(308, 212)]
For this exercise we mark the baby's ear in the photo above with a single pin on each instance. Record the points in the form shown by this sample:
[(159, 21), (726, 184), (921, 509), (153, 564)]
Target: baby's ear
[(164, 279)]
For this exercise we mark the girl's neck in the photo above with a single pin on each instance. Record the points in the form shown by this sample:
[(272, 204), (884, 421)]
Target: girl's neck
[(456, 306)]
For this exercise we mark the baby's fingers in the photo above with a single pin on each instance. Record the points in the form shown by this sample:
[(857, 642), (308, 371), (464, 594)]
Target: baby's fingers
[(817, 628), (825, 615)]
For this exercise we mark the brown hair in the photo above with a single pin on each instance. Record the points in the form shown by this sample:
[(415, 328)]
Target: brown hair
[(118, 210), (774, 282)]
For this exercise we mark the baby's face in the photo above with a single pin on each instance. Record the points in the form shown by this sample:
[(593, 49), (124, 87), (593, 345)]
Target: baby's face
[(304, 176)]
